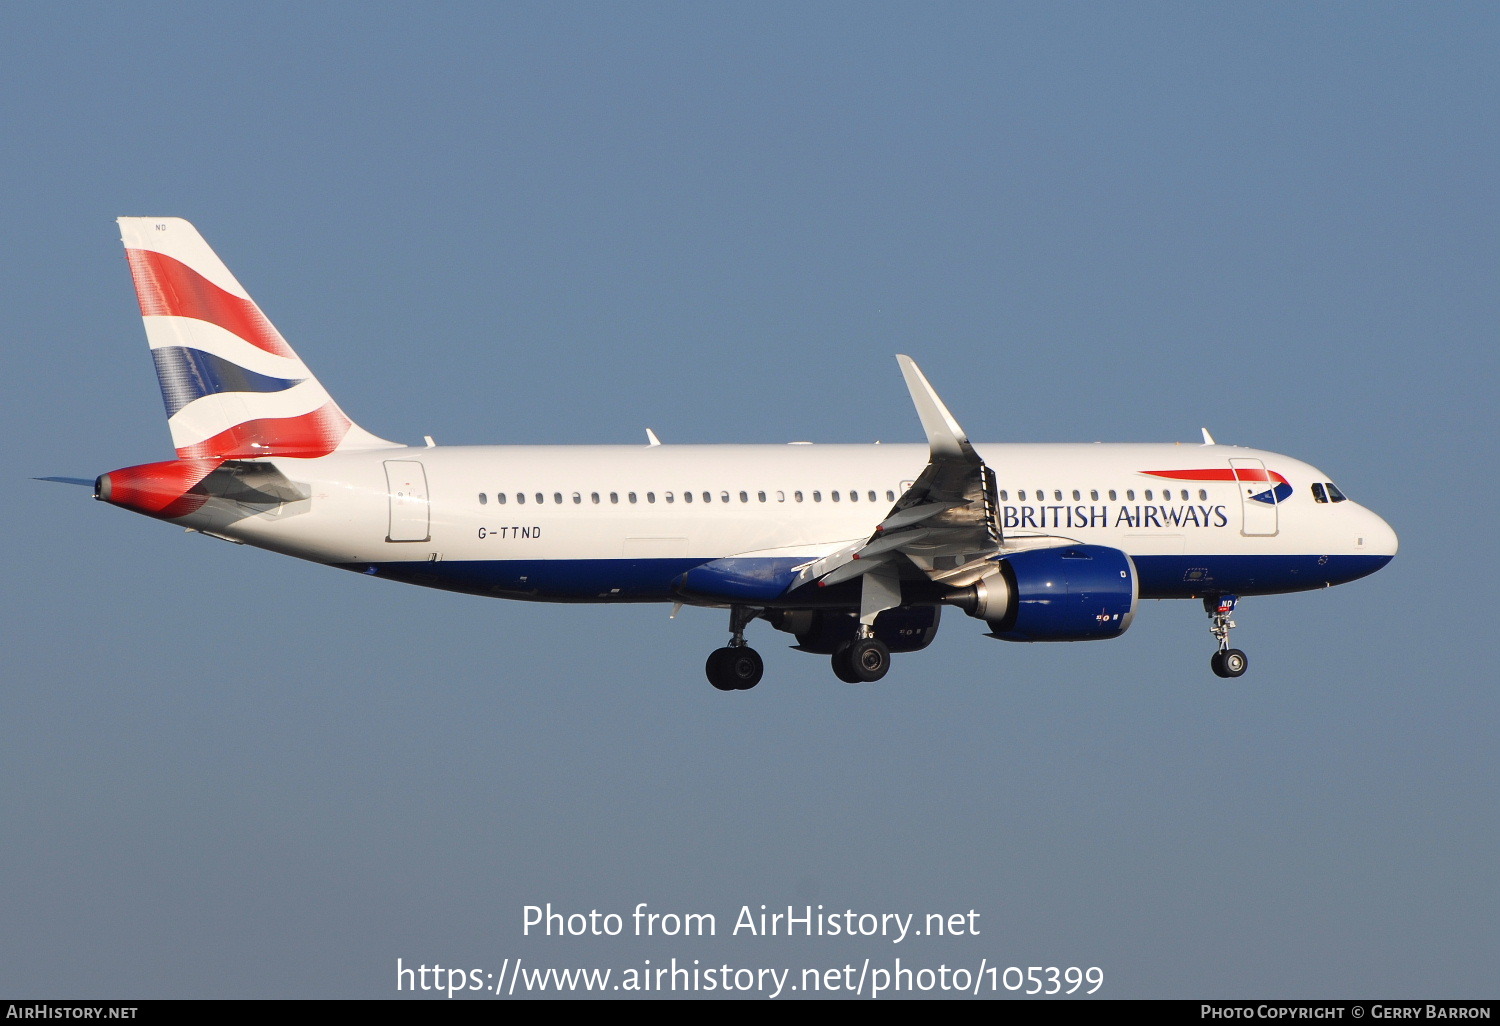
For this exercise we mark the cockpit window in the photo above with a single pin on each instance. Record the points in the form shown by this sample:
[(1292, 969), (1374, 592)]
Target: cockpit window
[(1335, 494), (1318, 493)]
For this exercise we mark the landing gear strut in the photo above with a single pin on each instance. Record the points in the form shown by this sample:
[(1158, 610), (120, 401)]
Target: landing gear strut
[(737, 666), (1227, 662)]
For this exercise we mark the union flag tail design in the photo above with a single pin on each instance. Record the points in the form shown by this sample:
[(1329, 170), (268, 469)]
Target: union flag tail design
[(232, 386)]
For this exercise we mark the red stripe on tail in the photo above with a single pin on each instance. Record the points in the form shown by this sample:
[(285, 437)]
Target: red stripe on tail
[(306, 437), (167, 287)]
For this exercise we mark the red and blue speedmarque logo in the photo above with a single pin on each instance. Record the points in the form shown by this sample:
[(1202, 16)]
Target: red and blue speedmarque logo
[(1279, 491)]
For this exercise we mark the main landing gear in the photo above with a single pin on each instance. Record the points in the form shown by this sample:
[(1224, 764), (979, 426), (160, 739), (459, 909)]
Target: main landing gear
[(1227, 662), (737, 666), (863, 660)]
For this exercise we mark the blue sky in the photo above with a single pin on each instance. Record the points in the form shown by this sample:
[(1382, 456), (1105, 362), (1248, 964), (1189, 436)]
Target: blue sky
[(228, 774)]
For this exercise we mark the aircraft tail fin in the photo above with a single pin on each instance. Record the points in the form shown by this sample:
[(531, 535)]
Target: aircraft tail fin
[(232, 386)]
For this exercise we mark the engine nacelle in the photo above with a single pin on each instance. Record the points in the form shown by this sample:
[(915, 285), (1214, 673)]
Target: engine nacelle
[(902, 629), (1071, 593)]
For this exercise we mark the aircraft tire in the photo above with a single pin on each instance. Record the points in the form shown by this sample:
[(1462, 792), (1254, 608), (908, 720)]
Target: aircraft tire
[(868, 659), (1230, 663), (842, 669), (715, 669), (734, 669)]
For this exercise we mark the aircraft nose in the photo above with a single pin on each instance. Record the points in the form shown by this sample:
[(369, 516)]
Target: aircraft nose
[(1376, 537)]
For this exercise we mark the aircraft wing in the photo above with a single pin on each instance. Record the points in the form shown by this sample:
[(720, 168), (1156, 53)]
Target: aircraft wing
[(944, 521), (943, 528)]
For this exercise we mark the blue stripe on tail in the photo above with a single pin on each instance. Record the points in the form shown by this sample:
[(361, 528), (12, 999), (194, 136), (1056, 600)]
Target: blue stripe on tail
[(189, 374)]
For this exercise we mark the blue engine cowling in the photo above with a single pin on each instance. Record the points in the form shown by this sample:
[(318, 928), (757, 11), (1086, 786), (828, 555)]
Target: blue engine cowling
[(903, 629), (1072, 593)]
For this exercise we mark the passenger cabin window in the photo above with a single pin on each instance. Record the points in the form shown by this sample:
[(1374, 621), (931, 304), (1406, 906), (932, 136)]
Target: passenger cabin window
[(1130, 495), (630, 496), (760, 496), (1203, 494), (521, 497), (614, 497), (500, 498), (708, 496), (797, 496), (482, 499), (817, 496), (687, 496), (1112, 495), (578, 499)]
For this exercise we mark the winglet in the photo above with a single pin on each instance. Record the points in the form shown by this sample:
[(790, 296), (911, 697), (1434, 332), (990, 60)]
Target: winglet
[(651, 439), (1208, 439), (944, 436)]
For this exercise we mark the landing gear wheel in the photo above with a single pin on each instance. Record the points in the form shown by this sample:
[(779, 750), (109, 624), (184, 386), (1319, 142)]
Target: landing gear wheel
[(863, 660), (841, 667), (734, 669), (1231, 662)]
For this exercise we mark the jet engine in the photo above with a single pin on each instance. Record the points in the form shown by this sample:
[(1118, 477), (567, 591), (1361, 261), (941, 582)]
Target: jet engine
[(1071, 593)]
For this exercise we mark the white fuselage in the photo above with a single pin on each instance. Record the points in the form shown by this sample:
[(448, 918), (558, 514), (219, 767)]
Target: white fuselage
[(621, 522)]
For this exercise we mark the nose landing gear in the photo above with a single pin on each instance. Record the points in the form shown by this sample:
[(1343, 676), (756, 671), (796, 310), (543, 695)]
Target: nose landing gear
[(1227, 662)]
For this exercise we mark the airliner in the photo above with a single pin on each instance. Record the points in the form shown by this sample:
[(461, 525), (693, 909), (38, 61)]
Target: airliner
[(853, 550)]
